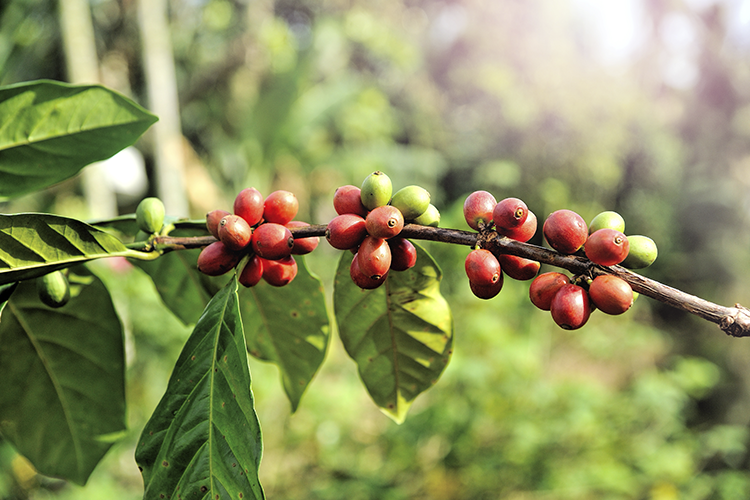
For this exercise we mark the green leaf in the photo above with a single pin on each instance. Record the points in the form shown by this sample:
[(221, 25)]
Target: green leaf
[(62, 382), (50, 130), (289, 327), (204, 439), (32, 245), (400, 334)]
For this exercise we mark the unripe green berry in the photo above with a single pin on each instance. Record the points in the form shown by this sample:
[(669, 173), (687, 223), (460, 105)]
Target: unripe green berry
[(607, 220), (642, 253), (53, 289), (430, 217), (412, 201), (150, 215), (376, 190)]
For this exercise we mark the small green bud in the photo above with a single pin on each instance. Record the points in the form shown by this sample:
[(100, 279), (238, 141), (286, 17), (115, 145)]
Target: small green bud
[(642, 252), (376, 190), (150, 215), (607, 220), (53, 289), (412, 201), (430, 217)]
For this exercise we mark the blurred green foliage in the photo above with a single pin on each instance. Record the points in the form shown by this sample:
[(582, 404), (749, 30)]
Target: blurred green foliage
[(506, 96)]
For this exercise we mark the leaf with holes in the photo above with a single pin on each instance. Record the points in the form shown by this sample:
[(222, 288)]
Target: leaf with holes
[(33, 245), (204, 439), (289, 327), (62, 390), (400, 334), (50, 130)]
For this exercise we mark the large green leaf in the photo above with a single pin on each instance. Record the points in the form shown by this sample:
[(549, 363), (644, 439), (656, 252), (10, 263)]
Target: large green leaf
[(50, 130), (62, 377), (204, 439), (400, 334), (288, 326), (32, 245)]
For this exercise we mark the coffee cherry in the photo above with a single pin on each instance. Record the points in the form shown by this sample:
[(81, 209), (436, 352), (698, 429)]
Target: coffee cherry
[(272, 241), (611, 294), (430, 217), (544, 287), (376, 190), (570, 307), (53, 289), (212, 221), (606, 247), (486, 292), (510, 213), (362, 280), (609, 220), (412, 201), (216, 259), (478, 208), (643, 252), (279, 272), (346, 231), (302, 246), (249, 205), (347, 200), (384, 222), (482, 267), (518, 268), (280, 207), (234, 232), (524, 232), (252, 272), (374, 257), (403, 254), (149, 215), (565, 231)]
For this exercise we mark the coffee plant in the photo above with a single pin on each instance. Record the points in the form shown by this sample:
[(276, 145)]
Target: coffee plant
[(62, 369)]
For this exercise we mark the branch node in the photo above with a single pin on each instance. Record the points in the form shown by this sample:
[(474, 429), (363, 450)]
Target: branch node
[(737, 322)]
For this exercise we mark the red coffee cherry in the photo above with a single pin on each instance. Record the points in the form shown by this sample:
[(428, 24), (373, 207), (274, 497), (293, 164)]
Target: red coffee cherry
[(570, 307), (346, 231), (374, 257), (272, 241), (482, 268), (252, 272), (362, 280), (486, 292), (565, 231), (403, 254), (510, 213), (611, 294), (234, 232), (212, 221), (519, 268), (607, 247), (544, 287), (279, 272), (522, 233), (478, 208), (280, 207), (384, 222), (216, 259), (348, 200), (249, 205), (303, 246)]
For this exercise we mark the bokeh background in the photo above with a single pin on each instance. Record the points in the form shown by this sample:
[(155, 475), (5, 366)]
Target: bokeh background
[(639, 106)]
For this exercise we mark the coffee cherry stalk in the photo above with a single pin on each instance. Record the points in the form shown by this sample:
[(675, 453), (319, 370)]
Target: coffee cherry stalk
[(375, 224)]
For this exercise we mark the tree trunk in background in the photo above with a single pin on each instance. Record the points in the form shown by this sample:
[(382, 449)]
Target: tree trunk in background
[(161, 84), (83, 67)]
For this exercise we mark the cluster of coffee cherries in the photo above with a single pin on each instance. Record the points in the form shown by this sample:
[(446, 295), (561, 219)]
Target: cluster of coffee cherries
[(257, 233), (603, 242), (510, 217), (369, 221)]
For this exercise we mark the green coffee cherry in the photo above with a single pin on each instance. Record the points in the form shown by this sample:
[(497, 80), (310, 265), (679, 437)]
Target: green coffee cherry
[(642, 252), (53, 289), (607, 220), (376, 190), (430, 217), (150, 215), (412, 201)]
